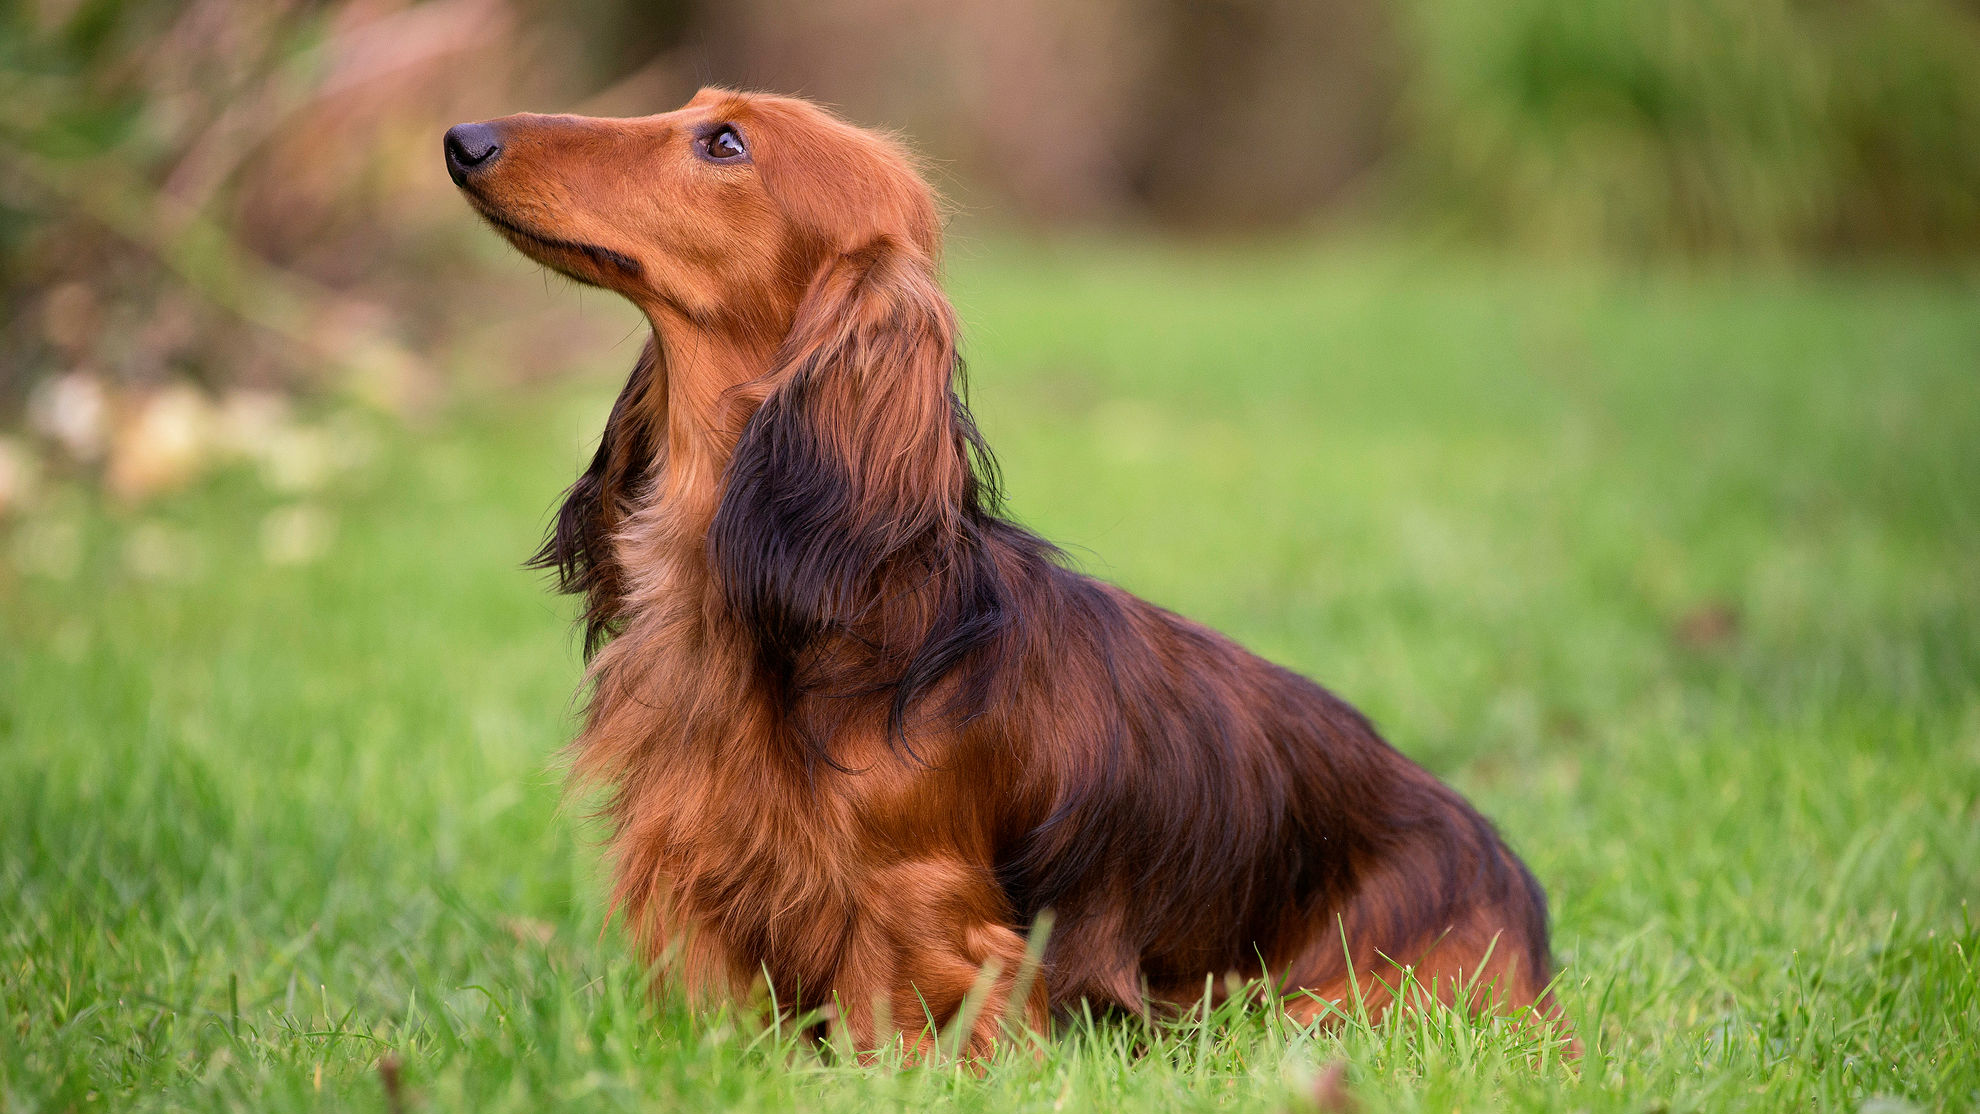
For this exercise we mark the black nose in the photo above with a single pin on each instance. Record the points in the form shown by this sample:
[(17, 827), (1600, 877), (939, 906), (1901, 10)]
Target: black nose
[(469, 147)]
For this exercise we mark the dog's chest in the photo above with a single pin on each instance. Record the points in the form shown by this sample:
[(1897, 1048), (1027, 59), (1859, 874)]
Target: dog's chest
[(745, 847), (748, 850)]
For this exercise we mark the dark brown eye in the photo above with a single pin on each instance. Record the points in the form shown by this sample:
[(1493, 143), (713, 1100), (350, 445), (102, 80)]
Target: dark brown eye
[(724, 143)]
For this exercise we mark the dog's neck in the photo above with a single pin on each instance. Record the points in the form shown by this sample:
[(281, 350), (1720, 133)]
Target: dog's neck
[(705, 384), (711, 381)]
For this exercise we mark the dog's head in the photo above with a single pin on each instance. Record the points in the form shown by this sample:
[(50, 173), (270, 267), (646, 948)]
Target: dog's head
[(722, 211), (853, 490)]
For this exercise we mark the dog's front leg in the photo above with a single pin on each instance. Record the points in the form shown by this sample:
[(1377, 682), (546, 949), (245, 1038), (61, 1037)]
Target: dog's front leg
[(932, 964)]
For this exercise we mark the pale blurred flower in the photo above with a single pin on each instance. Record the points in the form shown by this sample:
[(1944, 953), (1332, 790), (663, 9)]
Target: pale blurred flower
[(376, 368), (248, 421), (156, 551), (73, 411), (297, 535), (297, 459), (49, 547), (163, 443), (294, 458), (353, 441), (18, 472), (386, 377)]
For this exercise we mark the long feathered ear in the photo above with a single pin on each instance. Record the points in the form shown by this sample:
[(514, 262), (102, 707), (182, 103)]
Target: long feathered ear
[(859, 497), (577, 548)]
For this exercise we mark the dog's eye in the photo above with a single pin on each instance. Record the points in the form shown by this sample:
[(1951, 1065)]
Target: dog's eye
[(724, 143)]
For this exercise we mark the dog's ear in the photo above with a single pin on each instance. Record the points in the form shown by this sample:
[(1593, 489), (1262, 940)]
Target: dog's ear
[(857, 497), (577, 548)]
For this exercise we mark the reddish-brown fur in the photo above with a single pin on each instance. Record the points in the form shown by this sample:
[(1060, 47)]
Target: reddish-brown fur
[(858, 730)]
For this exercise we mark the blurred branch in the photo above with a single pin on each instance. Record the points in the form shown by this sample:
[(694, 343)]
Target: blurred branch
[(207, 260), (348, 60)]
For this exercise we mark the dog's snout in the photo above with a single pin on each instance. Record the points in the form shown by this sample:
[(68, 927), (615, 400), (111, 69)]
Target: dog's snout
[(469, 148)]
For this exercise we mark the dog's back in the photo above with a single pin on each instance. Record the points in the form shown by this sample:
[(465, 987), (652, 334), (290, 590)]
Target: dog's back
[(1187, 808)]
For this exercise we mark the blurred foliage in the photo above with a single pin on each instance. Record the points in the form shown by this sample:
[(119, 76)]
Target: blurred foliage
[(207, 206), (1780, 127), (207, 190), (201, 197), (1642, 128)]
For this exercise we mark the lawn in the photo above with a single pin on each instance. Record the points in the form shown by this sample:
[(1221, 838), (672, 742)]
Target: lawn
[(1678, 577)]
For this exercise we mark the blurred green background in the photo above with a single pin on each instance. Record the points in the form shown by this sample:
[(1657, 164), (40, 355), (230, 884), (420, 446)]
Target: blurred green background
[(245, 196), (1588, 390)]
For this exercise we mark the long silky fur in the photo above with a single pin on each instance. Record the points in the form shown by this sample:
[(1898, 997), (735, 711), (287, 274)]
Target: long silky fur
[(804, 559), (577, 549)]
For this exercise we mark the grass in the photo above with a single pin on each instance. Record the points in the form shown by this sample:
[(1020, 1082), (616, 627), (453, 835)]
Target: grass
[(1679, 578)]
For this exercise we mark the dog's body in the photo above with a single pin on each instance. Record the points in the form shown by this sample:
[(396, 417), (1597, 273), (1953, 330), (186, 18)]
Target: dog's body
[(859, 730)]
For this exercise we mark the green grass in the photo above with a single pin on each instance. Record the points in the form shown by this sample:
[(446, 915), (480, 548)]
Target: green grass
[(1679, 578)]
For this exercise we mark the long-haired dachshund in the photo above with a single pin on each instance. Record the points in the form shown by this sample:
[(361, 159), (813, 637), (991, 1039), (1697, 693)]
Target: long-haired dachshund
[(860, 731)]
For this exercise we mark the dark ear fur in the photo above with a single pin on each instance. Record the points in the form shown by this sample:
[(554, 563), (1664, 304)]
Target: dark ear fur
[(850, 539), (578, 546)]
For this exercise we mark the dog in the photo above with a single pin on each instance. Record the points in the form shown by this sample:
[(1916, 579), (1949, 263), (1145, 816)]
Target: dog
[(858, 733)]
